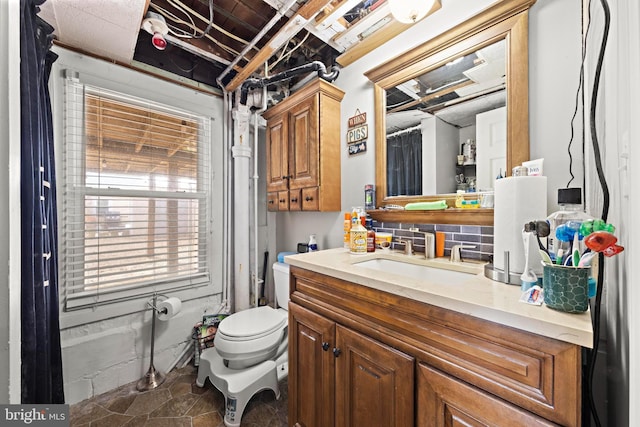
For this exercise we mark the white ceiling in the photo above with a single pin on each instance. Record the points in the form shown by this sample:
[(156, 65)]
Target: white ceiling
[(108, 28)]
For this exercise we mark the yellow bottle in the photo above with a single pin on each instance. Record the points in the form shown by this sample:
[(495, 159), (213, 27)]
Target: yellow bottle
[(358, 237)]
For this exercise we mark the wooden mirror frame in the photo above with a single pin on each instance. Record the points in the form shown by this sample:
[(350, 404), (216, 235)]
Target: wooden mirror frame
[(508, 20)]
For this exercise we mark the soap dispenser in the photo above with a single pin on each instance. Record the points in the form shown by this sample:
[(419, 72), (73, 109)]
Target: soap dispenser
[(313, 244)]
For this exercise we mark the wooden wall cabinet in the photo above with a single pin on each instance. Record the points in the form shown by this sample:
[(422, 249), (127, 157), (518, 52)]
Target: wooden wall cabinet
[(303, 150), (359, 356)]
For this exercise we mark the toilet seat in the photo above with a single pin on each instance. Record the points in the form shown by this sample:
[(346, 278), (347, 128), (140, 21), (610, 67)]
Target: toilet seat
[(252, 324), (252, 336)]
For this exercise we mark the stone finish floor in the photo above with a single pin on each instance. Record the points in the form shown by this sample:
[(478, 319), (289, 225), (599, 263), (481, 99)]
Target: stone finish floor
[(177, 402)]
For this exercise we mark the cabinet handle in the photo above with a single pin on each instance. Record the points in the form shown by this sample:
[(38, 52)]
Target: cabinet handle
[(308, 198), (283, 200), (325, 346), (270, 202), (336, 352), (294, 200), (287, 177)]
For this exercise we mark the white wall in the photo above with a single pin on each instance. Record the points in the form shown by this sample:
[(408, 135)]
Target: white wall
[(617, 129), (10, 202), (106, 347), (554, 65)]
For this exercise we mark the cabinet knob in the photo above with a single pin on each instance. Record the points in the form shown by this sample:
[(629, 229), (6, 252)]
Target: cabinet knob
[(294, 200), (270, 202), (308, 198), (283, 200), (336, 352), (287, 177), (325, 346)]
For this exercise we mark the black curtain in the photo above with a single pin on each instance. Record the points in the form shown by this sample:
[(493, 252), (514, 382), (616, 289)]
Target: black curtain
[(42, 380), (404, 164)]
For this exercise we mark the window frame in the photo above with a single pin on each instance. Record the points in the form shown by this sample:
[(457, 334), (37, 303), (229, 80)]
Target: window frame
[(121, 80)]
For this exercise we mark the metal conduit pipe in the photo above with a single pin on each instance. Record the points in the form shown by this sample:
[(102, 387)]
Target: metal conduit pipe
[(279, 14), (285, 75), (256, 281)]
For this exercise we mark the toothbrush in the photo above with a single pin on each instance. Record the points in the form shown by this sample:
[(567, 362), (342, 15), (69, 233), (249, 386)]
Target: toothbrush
[(528, 277)]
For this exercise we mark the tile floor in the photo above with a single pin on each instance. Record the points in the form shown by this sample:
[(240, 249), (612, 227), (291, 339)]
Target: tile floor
[(177, 402)]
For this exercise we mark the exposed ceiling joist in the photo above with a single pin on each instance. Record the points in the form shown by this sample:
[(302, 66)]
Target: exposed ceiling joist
[(290, 29)]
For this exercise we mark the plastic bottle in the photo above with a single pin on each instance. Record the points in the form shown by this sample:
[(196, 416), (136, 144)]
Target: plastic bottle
[(313, 244), (369, 197), (371, 237), (347, 230), (568, 219), (358, 236)]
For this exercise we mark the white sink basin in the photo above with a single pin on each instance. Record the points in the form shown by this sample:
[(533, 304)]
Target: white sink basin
[(416, 271)]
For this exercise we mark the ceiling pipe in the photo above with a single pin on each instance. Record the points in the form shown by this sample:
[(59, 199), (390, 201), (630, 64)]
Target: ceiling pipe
[(279, 14), (317, 66)]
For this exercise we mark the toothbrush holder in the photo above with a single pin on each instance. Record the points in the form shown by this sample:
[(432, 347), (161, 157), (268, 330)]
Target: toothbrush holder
[(566, 288)]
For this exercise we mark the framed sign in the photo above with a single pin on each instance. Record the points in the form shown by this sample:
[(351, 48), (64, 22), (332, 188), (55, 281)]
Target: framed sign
[(357, 133)]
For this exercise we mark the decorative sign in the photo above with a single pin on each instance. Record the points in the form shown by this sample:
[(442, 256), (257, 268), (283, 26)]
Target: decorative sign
[(358, 147), (358, 119), (358, 133)]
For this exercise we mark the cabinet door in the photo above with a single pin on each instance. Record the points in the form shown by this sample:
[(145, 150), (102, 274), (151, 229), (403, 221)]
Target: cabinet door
[(310, 199), (303, 134), (374, 383), (443, 401), (295, 201), (272, 202), (283, 200), (277, 154), (311, 368)]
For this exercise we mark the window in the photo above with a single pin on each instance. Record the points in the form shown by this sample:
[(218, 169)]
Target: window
[(136, 197)]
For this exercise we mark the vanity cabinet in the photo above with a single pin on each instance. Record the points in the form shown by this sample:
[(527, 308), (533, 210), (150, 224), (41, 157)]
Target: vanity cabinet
[(340, 377), (403, 362), (303, 150)]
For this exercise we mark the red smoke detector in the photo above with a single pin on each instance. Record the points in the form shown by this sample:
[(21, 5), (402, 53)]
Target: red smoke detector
[(155, 24)]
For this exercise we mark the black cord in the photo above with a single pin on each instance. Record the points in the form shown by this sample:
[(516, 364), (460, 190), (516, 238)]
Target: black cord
[(605, 207), (577, 101)]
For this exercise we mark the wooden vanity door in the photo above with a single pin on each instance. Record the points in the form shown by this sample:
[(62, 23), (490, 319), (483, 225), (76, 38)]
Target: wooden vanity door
[(374, 383), (444, 401), (311, 368)]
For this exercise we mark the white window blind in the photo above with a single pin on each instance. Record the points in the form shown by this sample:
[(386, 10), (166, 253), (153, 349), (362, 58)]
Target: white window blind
[(135, 200)]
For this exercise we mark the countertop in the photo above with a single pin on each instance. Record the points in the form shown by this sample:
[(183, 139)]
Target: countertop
[(476, 296)]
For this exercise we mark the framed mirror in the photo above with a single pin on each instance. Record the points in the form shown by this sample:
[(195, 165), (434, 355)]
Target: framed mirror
[(436, 97)]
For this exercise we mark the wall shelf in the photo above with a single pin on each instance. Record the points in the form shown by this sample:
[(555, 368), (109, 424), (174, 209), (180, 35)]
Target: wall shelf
[(478, 216)]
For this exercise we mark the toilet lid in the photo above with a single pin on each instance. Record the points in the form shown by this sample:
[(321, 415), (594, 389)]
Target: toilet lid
[(254, 323)]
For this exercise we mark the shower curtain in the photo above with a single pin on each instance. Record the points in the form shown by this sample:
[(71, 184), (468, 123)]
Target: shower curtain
[(404, 164), (41, 369)]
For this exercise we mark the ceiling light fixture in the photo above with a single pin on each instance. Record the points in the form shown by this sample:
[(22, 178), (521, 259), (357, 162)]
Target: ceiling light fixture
[(410, 11)]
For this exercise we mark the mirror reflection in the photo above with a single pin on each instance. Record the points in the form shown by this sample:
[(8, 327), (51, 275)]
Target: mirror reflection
[(446, 129)]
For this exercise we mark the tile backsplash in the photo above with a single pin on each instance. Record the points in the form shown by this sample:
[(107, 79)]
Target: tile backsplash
[(471, 235)]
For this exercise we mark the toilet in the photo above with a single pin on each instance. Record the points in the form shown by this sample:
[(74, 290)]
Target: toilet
[(250, 351)]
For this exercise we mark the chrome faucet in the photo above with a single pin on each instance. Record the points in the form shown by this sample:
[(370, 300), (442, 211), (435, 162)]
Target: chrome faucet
[(455, 252), (408, 246)]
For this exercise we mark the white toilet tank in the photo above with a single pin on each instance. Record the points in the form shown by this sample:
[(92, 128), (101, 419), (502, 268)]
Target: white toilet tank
[(281, 281)]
